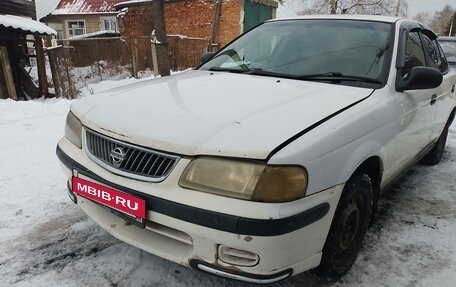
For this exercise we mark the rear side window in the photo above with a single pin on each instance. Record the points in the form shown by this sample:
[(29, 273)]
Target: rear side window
[(433, 52), (414, 53), (444, 67)]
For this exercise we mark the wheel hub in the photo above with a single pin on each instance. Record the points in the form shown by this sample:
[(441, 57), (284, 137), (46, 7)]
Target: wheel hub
[(350, 224)]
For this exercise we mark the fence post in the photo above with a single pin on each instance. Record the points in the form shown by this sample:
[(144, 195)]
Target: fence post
[(54, 71), (154, 59), (8, 75), (135, 57), (40, 59)]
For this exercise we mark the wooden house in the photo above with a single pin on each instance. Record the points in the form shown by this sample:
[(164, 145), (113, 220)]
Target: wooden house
[(75, 18)]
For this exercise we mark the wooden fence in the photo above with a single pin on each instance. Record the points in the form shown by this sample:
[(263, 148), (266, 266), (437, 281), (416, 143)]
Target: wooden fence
[(85, 52), (61, 65), (184, 52), (135, 53)]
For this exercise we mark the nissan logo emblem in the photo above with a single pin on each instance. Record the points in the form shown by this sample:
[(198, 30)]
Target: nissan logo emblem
[(118, 155)]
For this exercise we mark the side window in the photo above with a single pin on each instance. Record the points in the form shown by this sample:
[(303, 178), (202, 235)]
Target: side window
[(414, 53), (433, 52), (444, 66)]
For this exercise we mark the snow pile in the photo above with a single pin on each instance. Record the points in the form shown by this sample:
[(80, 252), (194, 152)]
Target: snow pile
[(98, 72), (106, 33), (45, 240), (125, 3)]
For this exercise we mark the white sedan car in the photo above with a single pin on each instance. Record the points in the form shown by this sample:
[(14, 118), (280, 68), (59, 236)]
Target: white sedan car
[(268, 159)]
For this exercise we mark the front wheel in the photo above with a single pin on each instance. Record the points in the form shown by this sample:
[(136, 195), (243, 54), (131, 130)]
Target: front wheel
[(348, 228)]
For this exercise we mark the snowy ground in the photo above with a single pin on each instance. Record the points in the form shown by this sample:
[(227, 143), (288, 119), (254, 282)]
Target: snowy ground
[(45, 240)]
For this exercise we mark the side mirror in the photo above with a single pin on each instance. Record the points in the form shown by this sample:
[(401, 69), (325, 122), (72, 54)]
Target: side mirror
[(420, 78), (206, 56)]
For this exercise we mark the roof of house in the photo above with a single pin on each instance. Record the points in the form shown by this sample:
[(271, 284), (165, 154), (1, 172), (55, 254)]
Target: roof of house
[(66, 7), (25, 24)]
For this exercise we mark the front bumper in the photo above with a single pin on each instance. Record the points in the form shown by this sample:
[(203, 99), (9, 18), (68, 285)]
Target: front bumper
[(192, 236)]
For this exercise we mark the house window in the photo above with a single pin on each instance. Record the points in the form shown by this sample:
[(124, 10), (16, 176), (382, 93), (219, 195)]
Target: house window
[(76, 28), (108, 24)]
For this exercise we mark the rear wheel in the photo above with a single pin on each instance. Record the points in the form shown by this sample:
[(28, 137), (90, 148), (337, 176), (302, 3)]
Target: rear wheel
[(348, 228)]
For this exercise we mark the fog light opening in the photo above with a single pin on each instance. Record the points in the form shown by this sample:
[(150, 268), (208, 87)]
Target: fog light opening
[(237, 257)]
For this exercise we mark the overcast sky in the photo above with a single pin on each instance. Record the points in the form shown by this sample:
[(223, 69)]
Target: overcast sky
[(415, 6), (43, 7)]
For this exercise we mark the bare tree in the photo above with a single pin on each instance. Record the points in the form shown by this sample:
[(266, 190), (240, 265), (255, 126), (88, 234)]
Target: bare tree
[(380, 7), (441, 22), (401, 8), (424, 18)]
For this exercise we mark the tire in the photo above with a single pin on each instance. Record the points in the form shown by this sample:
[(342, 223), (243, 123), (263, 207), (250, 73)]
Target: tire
[(348, 228), (435, 154)]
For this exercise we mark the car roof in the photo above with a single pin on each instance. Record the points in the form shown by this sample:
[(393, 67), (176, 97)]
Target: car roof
[(376, 18), (446, 38)]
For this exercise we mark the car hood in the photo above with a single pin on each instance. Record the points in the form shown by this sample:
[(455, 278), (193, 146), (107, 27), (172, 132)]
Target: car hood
[(213, 113)]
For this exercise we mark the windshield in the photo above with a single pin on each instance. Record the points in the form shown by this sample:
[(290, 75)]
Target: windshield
[(326, 50), (449, 48)]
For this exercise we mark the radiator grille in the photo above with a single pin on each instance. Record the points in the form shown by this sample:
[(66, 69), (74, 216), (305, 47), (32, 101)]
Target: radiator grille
[(129, 160)]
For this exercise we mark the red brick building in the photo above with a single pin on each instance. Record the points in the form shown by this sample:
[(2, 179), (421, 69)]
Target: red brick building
[(196, 18)]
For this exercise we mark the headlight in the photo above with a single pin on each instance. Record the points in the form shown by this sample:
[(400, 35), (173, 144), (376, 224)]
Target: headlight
[(73, 130), (245, 180)]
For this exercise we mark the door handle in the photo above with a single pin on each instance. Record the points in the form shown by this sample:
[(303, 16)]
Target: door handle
[(433, 99)]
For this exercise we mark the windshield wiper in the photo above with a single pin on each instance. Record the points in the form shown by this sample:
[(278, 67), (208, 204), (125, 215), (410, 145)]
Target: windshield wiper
[(253, 71), (219, 69), (335, 77), (261, 72)]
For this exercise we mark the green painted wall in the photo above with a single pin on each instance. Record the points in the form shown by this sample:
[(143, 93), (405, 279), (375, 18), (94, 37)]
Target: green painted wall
[(255, 13)]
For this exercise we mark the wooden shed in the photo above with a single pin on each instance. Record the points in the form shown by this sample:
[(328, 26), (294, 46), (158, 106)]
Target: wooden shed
[(18, 27)]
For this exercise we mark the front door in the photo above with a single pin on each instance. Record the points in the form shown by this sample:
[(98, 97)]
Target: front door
[(416, 110)]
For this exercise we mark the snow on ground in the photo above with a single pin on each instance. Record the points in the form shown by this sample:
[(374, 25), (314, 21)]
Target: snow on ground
[(45, 240)]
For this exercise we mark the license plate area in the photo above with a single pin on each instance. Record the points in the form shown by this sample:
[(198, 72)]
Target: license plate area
[(129, 207)]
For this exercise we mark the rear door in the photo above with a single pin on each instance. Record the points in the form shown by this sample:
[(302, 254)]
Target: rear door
[(444, 102)]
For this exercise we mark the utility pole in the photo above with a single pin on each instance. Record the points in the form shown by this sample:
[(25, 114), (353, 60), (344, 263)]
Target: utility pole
[(398, 7), (452, 22), (160, 41)]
